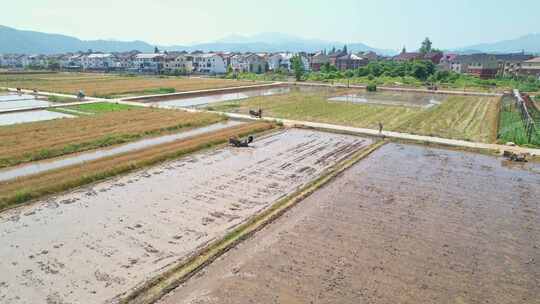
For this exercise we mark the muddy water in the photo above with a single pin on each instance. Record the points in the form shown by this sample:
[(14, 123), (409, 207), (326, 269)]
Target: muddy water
[(43, 166), (30, 116), (20, 102), (393, 99), (90, 245), (408, 224)]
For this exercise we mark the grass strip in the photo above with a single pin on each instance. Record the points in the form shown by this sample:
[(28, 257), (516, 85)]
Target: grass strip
[(16, 192), (155, 288)]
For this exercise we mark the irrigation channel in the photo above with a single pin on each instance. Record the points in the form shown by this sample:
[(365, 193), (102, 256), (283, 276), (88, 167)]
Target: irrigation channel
[(527, 110), (97, 243), (48, 165)]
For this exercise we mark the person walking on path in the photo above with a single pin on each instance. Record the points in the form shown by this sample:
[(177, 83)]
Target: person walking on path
[(380, 127)]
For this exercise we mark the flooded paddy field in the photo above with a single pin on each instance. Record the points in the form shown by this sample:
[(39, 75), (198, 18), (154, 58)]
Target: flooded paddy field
[(90, 245), (205, 100), (389, 98), (408, 224), (21, 102), (30, 116)]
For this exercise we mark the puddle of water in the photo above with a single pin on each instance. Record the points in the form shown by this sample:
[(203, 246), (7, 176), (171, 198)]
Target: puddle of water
[(40, 167), (209, 99), (13, 97), (16, 102), (393, 99), (31, 116)]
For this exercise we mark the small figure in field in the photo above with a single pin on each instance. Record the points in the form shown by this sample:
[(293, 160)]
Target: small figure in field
[(80, 95), (380, 127), (256, 114), (236, 142)]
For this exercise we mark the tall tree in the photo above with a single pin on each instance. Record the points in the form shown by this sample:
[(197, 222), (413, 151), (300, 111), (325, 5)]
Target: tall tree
[(426, 46), (298, 67)]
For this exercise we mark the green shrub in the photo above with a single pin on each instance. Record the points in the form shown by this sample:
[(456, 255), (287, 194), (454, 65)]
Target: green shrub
[(372, 87)]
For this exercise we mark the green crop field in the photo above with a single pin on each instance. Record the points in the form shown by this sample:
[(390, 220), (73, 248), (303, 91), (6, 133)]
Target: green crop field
[(511, 126), (458, 117)]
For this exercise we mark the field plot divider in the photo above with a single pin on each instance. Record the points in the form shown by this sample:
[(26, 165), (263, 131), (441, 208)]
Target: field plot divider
[(528, 120), (156, 287)]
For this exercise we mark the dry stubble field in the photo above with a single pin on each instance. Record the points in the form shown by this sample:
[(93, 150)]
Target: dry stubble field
[(109, 85), (41, 140)]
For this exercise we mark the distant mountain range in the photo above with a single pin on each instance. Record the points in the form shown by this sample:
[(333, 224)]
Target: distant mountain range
[(31, 42), (528, 43)]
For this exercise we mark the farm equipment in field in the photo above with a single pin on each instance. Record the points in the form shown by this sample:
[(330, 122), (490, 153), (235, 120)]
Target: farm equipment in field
[(516, 157), (236, 142), (256, 114)]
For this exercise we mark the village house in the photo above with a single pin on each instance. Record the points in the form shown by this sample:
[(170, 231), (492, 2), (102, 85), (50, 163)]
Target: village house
[(98, 61), (280, 61), (408, 56), (530, 67), (125, 60), (510, 64), (178, 63), (210, 63), (483, 65), (227, 58), (350, 62), (250, 63), (370, 56), (333, 56), (72, 62), (318, 60), (445, 64), (148, 63), (34, 61)]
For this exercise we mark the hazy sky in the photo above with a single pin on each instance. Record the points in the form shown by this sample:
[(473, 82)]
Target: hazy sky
[(378, 23)]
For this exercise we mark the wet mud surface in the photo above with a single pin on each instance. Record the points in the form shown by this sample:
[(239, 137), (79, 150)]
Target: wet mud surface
[(18, 102), (30, 116), (93, 244), (408, 224), (418, 100)]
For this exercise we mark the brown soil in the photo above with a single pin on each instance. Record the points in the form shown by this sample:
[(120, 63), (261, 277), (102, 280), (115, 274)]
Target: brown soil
[(98, 242), (34, 186), (409, 224)]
